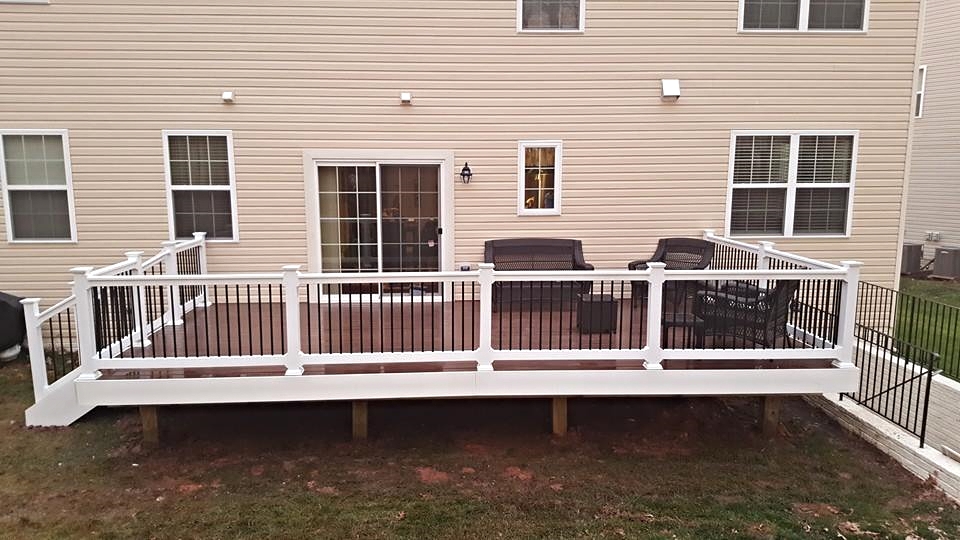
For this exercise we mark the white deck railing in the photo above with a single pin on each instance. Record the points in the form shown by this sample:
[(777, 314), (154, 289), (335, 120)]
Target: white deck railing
[(153, 305)]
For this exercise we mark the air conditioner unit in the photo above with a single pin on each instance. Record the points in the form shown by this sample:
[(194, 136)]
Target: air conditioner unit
[(946, 265), (912, 255)]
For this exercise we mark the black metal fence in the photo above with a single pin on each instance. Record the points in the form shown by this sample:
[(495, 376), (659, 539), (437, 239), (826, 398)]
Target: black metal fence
[(895, 379), (913, 322)]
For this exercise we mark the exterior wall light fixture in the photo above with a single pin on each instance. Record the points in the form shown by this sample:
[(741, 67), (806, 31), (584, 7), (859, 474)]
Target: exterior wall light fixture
[(465, 173)]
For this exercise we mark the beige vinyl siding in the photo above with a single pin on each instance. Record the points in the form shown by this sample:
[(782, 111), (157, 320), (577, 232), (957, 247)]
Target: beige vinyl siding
[(325, 75), (934, 195)]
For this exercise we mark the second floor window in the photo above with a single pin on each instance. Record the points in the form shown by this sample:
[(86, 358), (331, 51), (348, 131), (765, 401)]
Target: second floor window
[(804, 15), (547, 15)]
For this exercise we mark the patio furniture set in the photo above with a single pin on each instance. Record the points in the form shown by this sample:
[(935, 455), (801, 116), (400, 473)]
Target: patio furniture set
[(751, 312)]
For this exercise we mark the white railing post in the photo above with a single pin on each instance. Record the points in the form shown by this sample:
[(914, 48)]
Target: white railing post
[(763, 260), (655, 315), (486, 277), (708, 234), (140, 314), (86, 328), (848, 313), (38, 357), (175, 315), (291, 303), (201, 237)]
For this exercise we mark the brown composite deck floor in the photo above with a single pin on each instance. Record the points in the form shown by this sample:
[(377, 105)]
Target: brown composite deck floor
[(258, 329)]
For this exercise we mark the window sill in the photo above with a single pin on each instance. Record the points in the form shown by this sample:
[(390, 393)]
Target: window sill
[(793, 237), (791, 31), (551, 31), (64, 241), (534, 213)]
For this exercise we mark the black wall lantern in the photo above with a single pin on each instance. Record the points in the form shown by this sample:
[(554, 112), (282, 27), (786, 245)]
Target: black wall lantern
[(465, 173)]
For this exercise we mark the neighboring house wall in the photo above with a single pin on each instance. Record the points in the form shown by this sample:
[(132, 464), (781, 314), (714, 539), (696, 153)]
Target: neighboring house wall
[(328, 75), (933, 202)]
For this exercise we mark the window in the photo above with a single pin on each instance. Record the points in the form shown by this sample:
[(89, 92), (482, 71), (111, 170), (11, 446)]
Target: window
[(200, 178), (921, 91), (791, 184), (550, 15), (38, 190), (539, 172), (804, 15)]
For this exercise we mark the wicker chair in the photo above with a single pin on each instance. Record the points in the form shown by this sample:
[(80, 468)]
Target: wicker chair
[(745, 312), (677, 254)]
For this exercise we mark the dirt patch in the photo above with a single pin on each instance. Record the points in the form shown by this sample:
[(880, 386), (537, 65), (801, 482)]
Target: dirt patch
[(517, 473), (429, 475), (815, 509), (313, 486)]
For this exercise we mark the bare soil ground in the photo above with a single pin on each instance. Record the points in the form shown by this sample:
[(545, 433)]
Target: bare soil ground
[(631, 468)]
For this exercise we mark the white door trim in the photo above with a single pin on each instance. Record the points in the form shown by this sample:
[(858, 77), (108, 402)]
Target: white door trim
[(315, 158)]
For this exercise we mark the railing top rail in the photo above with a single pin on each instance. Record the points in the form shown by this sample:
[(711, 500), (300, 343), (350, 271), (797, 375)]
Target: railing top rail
[(389, 277), (770, 251), (914, 297), (670, 275), (710, 236), (59, 307), (177, 246), (156, 259), (800, 259), (195, 279), (115, 268)]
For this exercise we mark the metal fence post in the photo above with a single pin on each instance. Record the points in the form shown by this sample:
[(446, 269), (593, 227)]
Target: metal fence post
[(86, 328), (486, 276), (291, 303), (38, 357), (655, 315), (926, 397), (175, 315), (848, 313)]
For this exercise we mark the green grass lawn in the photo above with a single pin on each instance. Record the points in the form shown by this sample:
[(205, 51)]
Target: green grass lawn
[(631, 468), (932, 326)]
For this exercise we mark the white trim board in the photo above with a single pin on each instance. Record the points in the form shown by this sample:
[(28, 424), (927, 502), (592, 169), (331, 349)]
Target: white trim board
[(68, 174), (465, 384), (234, 211)]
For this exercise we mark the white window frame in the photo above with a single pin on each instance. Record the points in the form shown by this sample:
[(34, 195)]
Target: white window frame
[(921, 91), (792, 185), (581, 29), (68, 174), (171, 223), (803, 23), (522, 146)]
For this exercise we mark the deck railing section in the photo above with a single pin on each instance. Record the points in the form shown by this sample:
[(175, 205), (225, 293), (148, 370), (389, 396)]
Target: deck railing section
[(168, 312), (118, 319)]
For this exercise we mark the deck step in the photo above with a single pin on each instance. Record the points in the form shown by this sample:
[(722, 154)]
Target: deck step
[(59, 407)]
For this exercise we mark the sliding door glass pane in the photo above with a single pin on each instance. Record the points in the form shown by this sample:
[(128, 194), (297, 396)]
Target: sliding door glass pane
[(410, 206), (348, 219)]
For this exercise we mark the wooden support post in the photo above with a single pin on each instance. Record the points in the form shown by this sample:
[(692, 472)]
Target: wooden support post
[(359, 420), (560, 416), (771, 415), (151, 426)]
